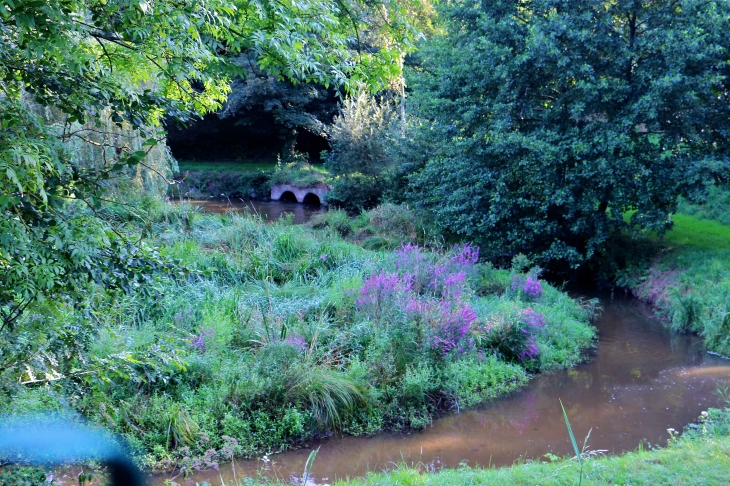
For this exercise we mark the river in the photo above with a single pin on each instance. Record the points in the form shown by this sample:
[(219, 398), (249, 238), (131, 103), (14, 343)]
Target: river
[(268, 210), (640, 380)]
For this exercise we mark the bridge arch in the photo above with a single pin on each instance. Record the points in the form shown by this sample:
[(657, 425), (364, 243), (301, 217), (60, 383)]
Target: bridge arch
[(311, 198), (288, 196)]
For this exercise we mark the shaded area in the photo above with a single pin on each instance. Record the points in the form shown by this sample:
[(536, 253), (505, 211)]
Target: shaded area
[(219, 139), (262, 118), (311, 199), (642, 380), (215, 138), (288, 196)]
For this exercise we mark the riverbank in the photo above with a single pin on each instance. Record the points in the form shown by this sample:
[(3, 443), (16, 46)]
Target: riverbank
[(245, 180), (640, 380), (688, 280), (264, 336)]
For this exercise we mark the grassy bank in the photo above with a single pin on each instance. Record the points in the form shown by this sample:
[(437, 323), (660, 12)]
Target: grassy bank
[(700, 456), (688, 280), (272, 334)]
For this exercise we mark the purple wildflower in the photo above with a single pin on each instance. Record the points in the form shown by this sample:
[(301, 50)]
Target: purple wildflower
[(199, 342), (533, 323), (295, 340), (530, 350), (453, 322), (454, 284), (532, 287), (533, 320), (408, 255), (377, 287), (466, 254)]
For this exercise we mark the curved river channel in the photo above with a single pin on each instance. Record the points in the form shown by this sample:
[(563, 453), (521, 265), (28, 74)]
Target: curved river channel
[(639, 381)]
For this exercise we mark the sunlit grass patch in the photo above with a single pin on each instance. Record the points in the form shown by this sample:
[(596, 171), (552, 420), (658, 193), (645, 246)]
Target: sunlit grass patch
[(691, 231), (242, 166)]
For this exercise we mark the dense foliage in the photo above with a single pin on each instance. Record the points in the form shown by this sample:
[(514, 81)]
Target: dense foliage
[(549, 120), (549, 128), (78, 73), (281, 333)]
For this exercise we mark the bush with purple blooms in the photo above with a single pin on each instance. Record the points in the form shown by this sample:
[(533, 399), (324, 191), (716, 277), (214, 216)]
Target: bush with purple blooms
[(296, 341), (528, 287), (514, 337), (427, 292), (200, 341)]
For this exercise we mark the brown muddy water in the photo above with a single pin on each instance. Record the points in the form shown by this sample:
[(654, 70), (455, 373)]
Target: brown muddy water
[(640, 380), (268, 210)]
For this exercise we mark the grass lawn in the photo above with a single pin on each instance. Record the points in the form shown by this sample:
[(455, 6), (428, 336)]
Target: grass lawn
[(245, 166), (691, 231)]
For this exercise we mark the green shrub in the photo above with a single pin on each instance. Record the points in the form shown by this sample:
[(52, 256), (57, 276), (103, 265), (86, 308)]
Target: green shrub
[(329, 395), (361, 137), (355, 192), (299, 173), (399, 222), (25, 476), (335, 219), (481, 378)]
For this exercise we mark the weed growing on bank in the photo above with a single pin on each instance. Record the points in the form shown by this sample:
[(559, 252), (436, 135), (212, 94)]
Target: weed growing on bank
[(276, 334), (387, 226)]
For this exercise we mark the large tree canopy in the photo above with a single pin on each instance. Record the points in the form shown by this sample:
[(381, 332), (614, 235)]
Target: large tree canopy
[(555, 120)]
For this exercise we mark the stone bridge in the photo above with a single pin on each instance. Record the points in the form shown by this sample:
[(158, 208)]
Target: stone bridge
[(308, 195)]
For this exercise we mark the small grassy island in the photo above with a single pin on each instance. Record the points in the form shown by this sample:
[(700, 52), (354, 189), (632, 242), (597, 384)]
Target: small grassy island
[(273, 334)]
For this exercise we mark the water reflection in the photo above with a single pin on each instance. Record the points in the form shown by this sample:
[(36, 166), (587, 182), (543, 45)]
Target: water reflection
[(268, 210), (641, 380)]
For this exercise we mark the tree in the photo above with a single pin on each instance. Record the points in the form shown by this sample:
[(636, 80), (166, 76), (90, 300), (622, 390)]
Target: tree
[(69, 69), (557, 124), (361, 159), (293, 107)]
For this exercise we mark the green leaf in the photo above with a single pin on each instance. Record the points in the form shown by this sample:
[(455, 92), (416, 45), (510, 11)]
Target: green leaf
[(570, 433)]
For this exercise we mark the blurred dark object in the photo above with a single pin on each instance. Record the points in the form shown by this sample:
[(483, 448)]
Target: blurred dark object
[(45, 441)]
